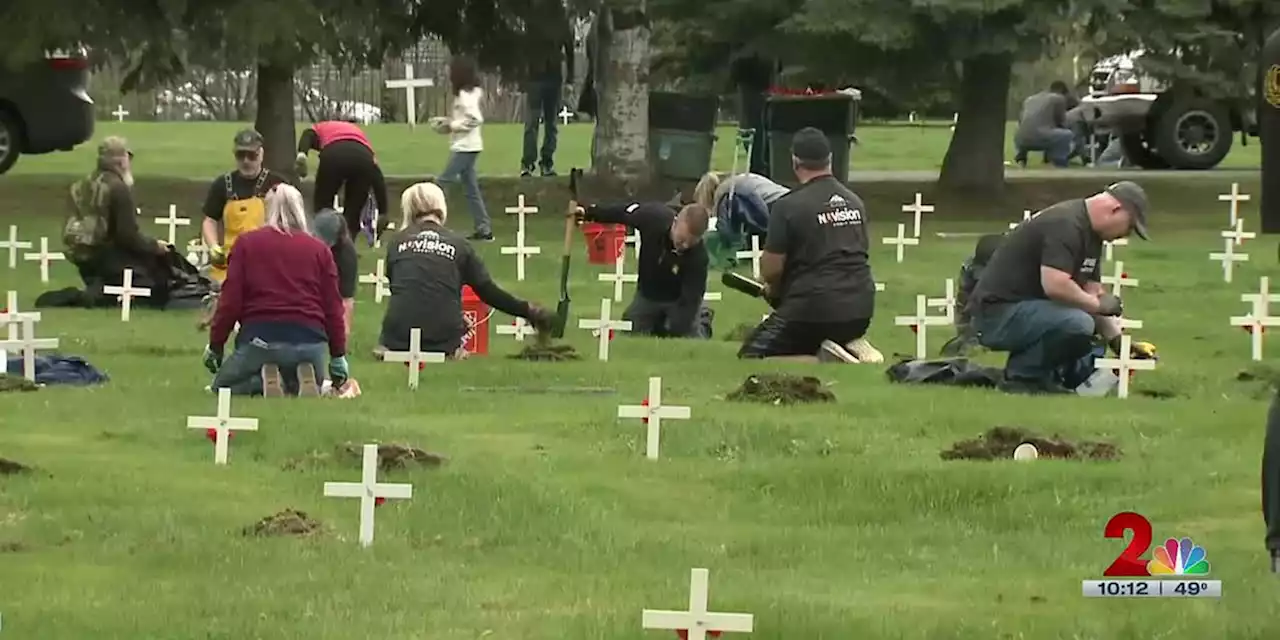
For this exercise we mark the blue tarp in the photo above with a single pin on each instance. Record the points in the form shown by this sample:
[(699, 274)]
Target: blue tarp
[(60, 369)]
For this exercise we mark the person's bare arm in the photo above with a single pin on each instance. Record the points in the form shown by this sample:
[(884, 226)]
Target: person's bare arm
[(1059, 286), (771, 268), (1108, 327)]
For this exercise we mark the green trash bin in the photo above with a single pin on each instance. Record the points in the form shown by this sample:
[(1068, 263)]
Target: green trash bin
[(681, 134), (835, 114)]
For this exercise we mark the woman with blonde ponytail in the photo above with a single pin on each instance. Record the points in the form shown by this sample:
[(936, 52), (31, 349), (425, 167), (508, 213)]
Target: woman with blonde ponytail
[(740, 203), (427, 265)]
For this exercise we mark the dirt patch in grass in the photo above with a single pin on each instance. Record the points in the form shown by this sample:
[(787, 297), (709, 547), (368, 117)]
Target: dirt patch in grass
[(289, 522), (780, 389), (999, 443), (16, 383), (547, 353), (394, 456), (9, 467), (739, 333), (13, 547)]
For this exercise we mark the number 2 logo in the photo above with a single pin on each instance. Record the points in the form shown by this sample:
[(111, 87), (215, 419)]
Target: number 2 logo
[(1129, 563)]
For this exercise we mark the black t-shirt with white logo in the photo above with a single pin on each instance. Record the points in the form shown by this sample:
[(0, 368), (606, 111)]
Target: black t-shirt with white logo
[(821, 228), (427, 265), (1059, 237)]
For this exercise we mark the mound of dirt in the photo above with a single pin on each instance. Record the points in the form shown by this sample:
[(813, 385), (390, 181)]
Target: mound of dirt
[(9, 467), (394, 456), (16, 383), (547, 353), (781, 389), (739, 333), (999, 443), (289, 522)]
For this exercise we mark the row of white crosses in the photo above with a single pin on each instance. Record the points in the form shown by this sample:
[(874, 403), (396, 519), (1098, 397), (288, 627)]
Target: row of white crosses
[(20, 329), (902, 240), (1259, 317), (521, 250)]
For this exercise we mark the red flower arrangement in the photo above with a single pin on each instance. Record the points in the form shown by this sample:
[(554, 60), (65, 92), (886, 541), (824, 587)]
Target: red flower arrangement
[(684, 634)]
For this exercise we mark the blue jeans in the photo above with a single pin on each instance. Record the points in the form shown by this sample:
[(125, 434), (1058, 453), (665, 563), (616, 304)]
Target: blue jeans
[(1056, 144), (461, 168), (1047, 341), (541, 103), (745, 214), (242, 372)]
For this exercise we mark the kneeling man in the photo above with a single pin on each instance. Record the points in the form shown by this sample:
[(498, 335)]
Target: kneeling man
[(814, 266), (671, 278), (1040, 297)]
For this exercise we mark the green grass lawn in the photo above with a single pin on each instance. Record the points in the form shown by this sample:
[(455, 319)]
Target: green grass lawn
[(204, 149), (835, 521)]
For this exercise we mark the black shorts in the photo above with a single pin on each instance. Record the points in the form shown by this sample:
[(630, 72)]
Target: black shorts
[(778, 337)]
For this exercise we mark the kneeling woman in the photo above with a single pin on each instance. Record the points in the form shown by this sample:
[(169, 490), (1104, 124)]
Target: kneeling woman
[(427, 266), (282, 287)]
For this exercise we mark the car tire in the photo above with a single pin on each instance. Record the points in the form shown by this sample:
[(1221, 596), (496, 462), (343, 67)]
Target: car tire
[(1139, 152), (1193, 133), (10, 140)]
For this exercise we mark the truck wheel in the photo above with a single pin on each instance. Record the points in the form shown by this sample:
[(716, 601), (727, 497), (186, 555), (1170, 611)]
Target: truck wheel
[(1193, 133), (10, 140), (1137, 151)]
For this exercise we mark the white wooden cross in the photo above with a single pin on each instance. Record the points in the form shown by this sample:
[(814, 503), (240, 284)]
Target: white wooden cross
[(410, 86), (1119, 281), (902, 241), (1229, 258), (753, 254), (1124, 364), (565, 114), (173, 222), (12, 318), (414, 356), (879, 286), (1026, 215), (652, 413), (518, 329), (619, 277), (29, 344), (45, 257), (1235, 198), (604, 326), (1237, 234), (712, 296), (634, 241), (126, 293), (379, 281), (13, 245), (1260, 317), (917, 208), (1108, 247), (919, 324), (119, 113), (947, 303), (222, 424), (697, 621), (369, 490), (520, 250)]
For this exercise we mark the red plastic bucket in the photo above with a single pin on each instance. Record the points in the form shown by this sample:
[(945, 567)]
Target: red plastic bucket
[(476, 314), (605, 242)]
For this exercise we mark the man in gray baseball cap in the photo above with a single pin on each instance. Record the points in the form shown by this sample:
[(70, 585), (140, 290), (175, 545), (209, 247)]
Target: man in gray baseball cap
[(1133, 199)]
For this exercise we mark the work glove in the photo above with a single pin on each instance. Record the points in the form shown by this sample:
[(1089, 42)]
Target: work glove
[(579, 214), (542, 319), (1110, 305), (1138, 350), (300, 165), (212, 359), (218, 256), (339, 371)]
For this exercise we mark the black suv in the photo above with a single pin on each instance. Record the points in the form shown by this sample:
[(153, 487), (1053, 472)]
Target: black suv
[(44, 106)]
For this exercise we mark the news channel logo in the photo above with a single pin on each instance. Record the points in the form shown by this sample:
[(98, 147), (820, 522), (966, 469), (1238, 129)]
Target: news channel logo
[(1179, 564)]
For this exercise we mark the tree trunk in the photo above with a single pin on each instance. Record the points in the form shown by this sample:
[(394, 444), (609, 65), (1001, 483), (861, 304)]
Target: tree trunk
[(622, 123), (975, 158), (275, 116)]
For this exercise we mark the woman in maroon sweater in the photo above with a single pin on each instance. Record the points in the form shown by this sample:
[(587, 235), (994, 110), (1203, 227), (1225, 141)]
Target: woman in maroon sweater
[(282, 287)]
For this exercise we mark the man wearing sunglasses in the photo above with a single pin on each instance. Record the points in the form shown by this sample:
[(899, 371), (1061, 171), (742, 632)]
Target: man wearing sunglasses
[(236, 202), (1040, 298)]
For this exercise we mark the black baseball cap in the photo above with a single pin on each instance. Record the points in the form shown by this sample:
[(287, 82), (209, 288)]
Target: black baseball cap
[(810, 145), (1134, 199), (248, 140)]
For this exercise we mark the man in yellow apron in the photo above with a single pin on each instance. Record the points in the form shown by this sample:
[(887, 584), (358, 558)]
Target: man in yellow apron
[(235, 204)]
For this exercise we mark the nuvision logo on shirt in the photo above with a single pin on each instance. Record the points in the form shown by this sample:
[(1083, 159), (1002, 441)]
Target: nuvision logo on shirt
[(429, 242), (1089, 266), (842, 217)]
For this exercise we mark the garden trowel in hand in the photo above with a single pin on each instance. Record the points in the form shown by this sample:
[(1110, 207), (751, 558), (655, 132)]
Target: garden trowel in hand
[(570, 227)]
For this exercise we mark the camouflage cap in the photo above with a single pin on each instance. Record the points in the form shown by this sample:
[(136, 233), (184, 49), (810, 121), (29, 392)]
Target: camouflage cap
[(114, 147), (249, 140)]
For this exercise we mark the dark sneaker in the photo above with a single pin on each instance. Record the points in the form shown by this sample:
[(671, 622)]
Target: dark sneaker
[(526, 172), (832, 352), (272, 384), (548, 172), (308, 385), (481, 237)]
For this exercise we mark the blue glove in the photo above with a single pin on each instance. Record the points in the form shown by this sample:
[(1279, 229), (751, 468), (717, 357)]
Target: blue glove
[(212, 360), (339, 371)]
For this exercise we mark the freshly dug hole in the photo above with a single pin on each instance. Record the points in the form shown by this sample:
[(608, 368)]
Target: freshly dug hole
[(775, 388), (393, 456), (999, 443), (289, 522), (547, 353)]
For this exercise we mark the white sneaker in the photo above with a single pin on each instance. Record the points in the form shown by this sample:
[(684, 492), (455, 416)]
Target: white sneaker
[(832, 352), (864, 352)]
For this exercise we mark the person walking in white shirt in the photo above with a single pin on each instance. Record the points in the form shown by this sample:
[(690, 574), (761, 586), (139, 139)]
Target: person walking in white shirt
[(465, 142)]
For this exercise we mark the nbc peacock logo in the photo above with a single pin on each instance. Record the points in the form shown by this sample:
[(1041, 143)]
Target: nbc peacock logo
[(1178, 558)]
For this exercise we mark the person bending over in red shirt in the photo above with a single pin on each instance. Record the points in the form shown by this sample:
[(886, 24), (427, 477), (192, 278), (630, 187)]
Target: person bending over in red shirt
[(282, 287)]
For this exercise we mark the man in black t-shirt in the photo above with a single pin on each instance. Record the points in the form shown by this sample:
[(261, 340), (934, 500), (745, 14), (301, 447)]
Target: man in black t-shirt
[(1040, 296), (671, 276), (814, 266), (236, 201), (331, 227)]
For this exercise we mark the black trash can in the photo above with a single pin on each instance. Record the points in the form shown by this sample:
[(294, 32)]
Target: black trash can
[(835, 114), (682, 134)]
